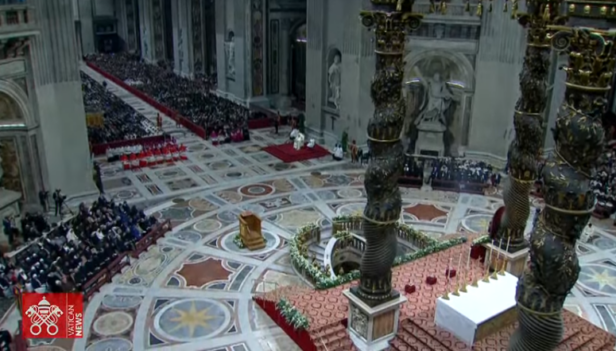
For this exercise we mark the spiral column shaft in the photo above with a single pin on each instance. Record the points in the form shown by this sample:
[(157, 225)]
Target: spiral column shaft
[(569, 199), (384, 204)]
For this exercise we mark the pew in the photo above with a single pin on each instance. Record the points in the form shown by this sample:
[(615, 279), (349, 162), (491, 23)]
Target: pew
[(95, 283), (411, 182), (117, 265), (445, 185)]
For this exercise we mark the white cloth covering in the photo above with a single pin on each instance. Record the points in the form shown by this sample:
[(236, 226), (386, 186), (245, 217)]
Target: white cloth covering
[(461, 315)]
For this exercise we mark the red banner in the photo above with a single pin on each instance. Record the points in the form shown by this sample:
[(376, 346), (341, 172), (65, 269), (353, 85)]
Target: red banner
[(52, 315)]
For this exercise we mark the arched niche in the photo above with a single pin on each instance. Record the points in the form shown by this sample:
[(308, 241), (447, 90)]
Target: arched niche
[(455, 74), (14, 104)]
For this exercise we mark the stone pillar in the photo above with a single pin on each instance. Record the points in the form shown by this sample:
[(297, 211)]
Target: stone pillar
[(181, 24), (501, 52), (145, 27), (59, 97), (316, 23), (285, 56), (195, 36), (88, 44), (221, 29)]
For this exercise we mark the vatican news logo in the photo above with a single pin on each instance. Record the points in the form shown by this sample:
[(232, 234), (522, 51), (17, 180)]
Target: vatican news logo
[(52, 316)]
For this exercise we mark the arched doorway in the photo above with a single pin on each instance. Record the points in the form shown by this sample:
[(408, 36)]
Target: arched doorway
[(298, 64)]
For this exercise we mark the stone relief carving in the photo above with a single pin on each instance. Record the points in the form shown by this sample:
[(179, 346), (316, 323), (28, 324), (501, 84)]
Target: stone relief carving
[(334, 75), (230, 55), (9, 110), (359, 322), (11, 176)]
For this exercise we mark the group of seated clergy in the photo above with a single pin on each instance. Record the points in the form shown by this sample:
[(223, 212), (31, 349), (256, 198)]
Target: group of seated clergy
[(464, 171), (75, 251), (120, 120), (191, 98)]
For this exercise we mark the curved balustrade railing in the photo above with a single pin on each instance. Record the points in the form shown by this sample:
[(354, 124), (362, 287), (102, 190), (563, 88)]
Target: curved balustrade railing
[(320, 277)]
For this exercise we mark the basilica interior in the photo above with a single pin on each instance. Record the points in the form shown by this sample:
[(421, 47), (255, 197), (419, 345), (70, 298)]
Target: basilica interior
[(247, 175)]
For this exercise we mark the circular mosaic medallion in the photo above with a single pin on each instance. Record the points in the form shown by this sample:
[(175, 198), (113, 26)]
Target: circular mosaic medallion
[(201, 204), (298, 218), (350, 193), (206, 156), (298, 199), (125, 195), (187, 236), (227, 216), (598, 278), (121, 302), (351, 209), (220, 165), (115, 344), (477, 224), (283, 185), (254, 208), (178, 200), (191, 320), (234, 174), (256, 190), (207, 225), (230, 196), (113, 323), (272, 241), (150, 264), (339, 179)]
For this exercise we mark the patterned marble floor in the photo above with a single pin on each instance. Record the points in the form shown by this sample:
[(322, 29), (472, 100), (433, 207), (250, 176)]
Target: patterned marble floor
[(192, 291), (194, 288)]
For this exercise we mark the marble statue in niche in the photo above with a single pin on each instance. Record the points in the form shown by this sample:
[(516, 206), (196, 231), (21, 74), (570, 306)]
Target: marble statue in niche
[(9, 110), (439, 31), (230, 55), (11, 177), (434, 97), (334, 75)]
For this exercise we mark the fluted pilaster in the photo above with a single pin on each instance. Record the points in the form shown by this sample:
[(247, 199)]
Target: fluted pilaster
[(55, 49)]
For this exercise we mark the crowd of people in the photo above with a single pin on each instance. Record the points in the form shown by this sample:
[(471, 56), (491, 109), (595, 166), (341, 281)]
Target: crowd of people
[(71, 253), (119, 120), (191, 98), (464, 171)]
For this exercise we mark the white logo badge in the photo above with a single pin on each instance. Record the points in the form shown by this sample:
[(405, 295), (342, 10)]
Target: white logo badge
[(44, 314)]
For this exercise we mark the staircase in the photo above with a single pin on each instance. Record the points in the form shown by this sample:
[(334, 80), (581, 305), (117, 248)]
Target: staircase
[(332, 337), (412, 337), (318, 248)]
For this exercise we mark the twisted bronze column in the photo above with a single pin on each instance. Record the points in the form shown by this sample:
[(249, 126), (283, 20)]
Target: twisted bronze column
[(528, 120), (569, 199), (381, 180)]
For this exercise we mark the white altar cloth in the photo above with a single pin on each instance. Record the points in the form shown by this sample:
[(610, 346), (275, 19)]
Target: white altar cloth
[(461, 315)]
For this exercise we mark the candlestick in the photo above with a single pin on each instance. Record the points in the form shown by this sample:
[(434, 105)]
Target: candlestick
[(456, 291), (468, 266), (446, 295), (504, 263), (486, 277), (494, 275)]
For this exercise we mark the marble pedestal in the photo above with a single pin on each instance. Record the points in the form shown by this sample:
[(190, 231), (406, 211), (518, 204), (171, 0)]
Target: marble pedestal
[(514, 262), (371, 328), (430, 140), (9, 206)]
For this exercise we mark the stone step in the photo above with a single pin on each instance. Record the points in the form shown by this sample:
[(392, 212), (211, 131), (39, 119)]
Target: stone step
[(398, 344), (425, 339)]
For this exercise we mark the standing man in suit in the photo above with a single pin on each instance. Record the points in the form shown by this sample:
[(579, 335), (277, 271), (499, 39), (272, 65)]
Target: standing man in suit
[(277, 122)]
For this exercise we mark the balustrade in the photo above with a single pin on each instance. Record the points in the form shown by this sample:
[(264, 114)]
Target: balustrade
[(16, 19)]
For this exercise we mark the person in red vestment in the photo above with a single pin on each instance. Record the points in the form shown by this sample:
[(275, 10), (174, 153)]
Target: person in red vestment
[(159, 122), (125, 163)]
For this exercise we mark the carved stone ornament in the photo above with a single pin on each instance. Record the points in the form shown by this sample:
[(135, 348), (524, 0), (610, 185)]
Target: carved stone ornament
[(359, 322)]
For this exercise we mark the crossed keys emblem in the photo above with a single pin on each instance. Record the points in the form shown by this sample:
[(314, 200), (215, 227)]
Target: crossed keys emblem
[(43, 314)]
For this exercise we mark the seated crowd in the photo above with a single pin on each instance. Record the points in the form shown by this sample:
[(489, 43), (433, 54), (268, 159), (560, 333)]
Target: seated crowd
[(464, 171), (413, 168), (75, 251), (120, 121), (222, 119)]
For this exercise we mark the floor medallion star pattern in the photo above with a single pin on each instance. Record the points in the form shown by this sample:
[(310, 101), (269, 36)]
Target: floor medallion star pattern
[(191, 320)]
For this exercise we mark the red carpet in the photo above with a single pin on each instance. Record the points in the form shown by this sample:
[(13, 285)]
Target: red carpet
[(287, 154), (300, 337)]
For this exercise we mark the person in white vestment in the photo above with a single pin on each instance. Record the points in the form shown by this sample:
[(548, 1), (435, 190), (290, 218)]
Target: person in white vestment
[(587, 233), (338, 153), (311, 143), (294, 134)]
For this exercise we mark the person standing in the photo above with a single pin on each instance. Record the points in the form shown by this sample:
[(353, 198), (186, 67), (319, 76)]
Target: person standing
[(44, 200), (98, 179), (58, 199), (277, 122), (8, 228)]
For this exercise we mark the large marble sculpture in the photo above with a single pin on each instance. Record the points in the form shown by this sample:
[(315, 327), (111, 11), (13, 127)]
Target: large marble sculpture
[(528, 122), (431, 123), (569, 199), (230, 56), (334, 75)]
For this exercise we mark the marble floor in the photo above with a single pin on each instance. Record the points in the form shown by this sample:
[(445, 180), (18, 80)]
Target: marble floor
[(192, 291)]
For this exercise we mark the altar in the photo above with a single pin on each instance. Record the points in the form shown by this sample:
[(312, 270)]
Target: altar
[(481, 311)]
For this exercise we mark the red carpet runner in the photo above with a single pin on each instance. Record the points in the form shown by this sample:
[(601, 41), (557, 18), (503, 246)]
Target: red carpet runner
[(287, 154)]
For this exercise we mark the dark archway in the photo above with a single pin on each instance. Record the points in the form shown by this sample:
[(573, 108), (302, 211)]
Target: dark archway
[(168, 31), (298, 64)]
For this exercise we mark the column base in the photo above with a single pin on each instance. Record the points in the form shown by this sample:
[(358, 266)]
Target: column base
[(514, 262), (372, 328)]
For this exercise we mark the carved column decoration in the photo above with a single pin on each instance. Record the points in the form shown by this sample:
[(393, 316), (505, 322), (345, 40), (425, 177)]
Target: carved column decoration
[(528, 121), (197, 42), (131, 26), (257, 18), (157, 22), (384, 204), (569, 198)]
